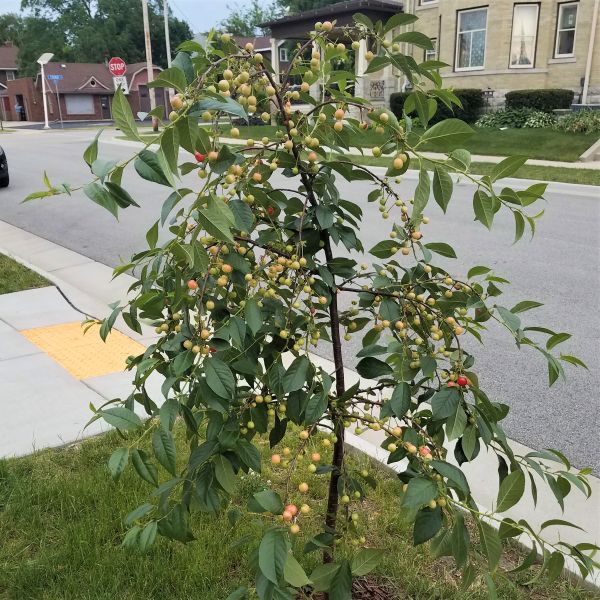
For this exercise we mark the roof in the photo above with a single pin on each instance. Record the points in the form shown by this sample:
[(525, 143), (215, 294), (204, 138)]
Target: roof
[(8, 57), (259, 42), (333, 10), (86, 78)]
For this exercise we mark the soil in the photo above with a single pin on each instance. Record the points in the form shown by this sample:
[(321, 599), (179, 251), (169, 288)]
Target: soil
[(365, 588)]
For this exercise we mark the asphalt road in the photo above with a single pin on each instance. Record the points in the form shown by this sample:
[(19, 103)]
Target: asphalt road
[(558, 267)]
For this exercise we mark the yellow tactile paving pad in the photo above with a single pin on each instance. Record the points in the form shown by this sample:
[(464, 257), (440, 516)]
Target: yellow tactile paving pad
[(84, 355)]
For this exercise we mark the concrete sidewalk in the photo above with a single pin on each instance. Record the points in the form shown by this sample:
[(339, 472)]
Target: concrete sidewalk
[(46, 405)]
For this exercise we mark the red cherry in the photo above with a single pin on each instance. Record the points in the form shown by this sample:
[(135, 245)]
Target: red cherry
[(451, 384), (192, 284), (212, 349), (462, 381), (270, 210), (199, 156)]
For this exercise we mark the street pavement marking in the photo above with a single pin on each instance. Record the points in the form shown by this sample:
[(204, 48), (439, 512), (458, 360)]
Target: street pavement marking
[(84, 355)]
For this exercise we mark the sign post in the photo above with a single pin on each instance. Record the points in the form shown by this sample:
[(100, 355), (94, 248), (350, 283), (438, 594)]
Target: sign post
[(56, 79)]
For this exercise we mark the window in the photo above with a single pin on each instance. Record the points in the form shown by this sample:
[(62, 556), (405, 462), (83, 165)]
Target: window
[(79, 104), (432, 54), (565, 29), (425, 2), (470, 39), (10, 75), (283, 55), (524, 35)]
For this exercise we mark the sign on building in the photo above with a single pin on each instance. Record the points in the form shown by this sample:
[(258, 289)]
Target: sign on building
[(121, 82)]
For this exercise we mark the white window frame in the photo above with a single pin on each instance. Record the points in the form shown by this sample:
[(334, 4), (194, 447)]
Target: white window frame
[(559, 30), (512, 35), (432, 54), (10, 75), (458, 34), (427, 2), (283, 55)]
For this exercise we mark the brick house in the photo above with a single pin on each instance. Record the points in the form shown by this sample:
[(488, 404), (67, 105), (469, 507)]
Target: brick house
[(80, 92), (8, 72), (506, 45)]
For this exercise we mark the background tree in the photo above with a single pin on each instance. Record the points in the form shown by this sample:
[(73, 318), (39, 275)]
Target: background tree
[(11, 28), (86, 31), (245, 20)]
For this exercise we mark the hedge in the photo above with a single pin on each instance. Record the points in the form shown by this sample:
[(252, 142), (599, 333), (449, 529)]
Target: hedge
[(471, 99), (544, 100)]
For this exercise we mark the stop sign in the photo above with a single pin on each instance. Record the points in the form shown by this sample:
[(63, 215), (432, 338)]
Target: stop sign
[(117, 67)]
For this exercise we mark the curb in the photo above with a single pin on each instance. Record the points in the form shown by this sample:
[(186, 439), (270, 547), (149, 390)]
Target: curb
[(77, 286)]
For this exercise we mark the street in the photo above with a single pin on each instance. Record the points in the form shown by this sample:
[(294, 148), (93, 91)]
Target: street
[(559, 267)]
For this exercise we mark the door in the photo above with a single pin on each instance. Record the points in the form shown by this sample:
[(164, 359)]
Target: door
[(105, 106)]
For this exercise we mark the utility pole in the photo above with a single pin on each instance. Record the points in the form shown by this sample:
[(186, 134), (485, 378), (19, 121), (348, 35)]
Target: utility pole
[(149, 67), (167, 35)]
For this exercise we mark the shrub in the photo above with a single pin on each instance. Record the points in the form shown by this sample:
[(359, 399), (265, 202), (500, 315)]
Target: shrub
[(544, 100), (471, 99), (516, 118), (583, 121), (252, 272)]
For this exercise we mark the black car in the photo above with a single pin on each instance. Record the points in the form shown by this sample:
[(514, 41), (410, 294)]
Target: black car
[(3, 169)]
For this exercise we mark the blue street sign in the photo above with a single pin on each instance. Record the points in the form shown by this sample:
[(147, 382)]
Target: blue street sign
[(55, 77)]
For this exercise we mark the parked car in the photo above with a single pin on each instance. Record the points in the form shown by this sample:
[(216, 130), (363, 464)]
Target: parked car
[(3, 169)]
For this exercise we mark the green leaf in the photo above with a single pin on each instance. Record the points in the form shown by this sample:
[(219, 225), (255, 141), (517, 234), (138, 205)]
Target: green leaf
[(272, 555), (224, 474), (341, 584), (444, 403), (491, 586), (363, 20), (507, 167), (456, 424), (119, 195), (100, 196), (91, 152), (447, 135), (219, 378), (557, 338), (460, 541), (483, 207), (442, 187), (253, 315), (242, 214), (249, 454), (148, 167), (152, 235), (164, 449), (121, 113), (365, 561), (555, 566), (138, 513), (145, 469), (401, 399), (169, 144), (240, 594), (490, 544), (519, 225), (399, 20), (147, 536), (175, 525), (441, 249), (422, 193), (293, 573), (385, 249), (217, 219), (315, 408), (416, 38), (372, 368), (573, 360), (427, 523), (377, 64), (170, 78), (511, 490), (266, 501), (420, 491), (121, 418), (107, 324), (510, 320), (525, 305), (117, 462), (295, 377), (226, 105), (453, 474)]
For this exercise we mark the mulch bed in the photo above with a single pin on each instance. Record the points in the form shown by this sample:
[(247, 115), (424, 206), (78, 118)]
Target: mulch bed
[(365, 588)]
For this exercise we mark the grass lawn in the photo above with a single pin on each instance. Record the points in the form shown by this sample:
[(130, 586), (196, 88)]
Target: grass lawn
[(543, 144), (14, 277), (61, 528)]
